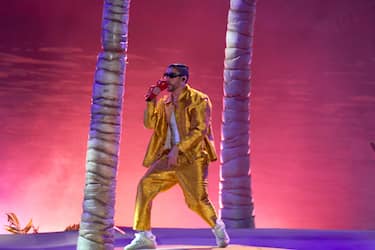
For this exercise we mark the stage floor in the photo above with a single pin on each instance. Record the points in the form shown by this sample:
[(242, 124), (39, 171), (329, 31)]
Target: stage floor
[(189, 239)]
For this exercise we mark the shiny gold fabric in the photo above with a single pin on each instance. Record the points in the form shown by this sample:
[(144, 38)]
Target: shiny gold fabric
[(191, 177), (196, 150), (193, 116)]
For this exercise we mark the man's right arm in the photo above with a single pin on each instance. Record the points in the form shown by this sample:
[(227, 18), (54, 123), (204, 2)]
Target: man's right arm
[(149, 118)]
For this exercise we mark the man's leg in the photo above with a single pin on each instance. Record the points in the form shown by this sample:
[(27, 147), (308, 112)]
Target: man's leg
[(158, 178), (193, 181)]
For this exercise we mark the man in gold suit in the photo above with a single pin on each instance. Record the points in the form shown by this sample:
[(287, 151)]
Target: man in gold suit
[(179, 152)]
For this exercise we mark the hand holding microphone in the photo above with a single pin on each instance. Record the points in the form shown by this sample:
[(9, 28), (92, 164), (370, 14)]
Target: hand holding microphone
[(154, 90)]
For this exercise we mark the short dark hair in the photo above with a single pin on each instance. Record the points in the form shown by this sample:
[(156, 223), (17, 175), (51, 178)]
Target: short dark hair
[(182, 69)]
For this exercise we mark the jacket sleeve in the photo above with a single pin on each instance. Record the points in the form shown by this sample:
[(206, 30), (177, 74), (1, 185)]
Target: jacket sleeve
[(200, 123), (150, 115)]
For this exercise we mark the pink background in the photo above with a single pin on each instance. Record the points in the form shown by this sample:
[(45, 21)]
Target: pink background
[(312, 107)]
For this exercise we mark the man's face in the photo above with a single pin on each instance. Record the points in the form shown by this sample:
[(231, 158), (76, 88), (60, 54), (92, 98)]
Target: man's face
[(174, 79)]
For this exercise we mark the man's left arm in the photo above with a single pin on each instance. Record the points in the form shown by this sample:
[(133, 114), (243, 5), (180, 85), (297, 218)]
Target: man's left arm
[(201, 118)]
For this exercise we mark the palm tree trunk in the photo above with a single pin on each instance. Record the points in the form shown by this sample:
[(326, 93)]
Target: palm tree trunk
[(236, 201), (97, 221)]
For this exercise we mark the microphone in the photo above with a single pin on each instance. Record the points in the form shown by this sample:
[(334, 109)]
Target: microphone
[(154, 90)]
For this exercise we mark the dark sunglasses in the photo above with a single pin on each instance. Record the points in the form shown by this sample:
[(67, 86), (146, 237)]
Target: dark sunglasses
[(172, 75)]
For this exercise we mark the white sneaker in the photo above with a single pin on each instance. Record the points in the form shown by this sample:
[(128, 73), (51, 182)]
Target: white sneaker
[(222, 238), (142, 240)]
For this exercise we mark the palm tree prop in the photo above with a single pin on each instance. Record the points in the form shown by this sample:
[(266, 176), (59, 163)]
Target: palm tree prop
[(235, 178), (96, 229)]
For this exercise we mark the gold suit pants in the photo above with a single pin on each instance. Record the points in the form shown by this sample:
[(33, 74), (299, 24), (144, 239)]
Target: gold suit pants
[(190, 176)]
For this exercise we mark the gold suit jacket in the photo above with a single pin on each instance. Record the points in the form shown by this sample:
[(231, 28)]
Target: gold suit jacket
[(193, 117)]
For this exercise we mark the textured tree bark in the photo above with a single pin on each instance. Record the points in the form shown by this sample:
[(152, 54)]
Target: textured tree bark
[(97, 221), (236, 203)]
